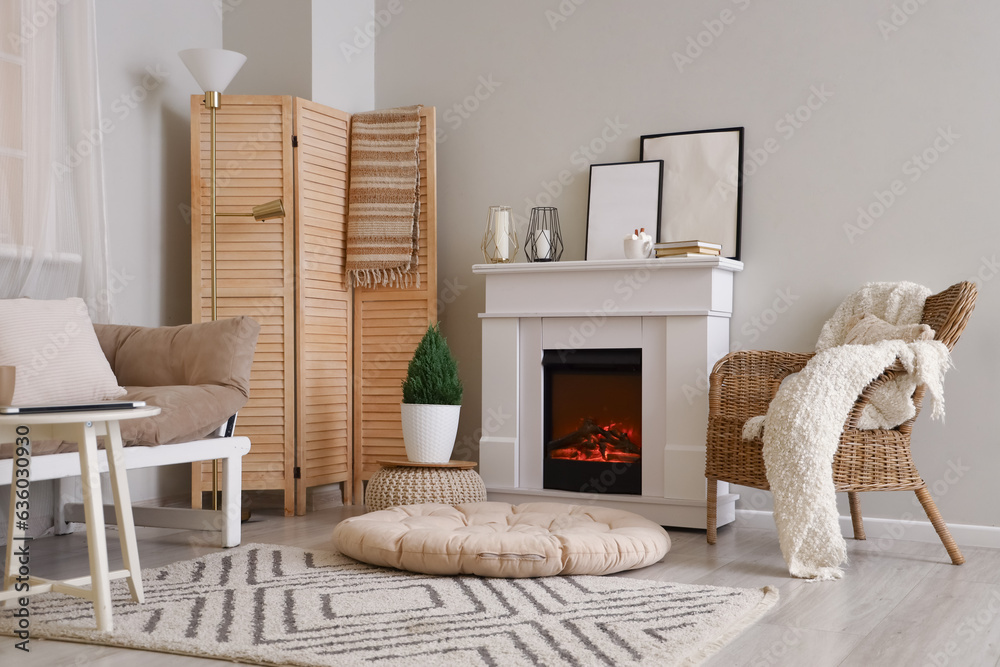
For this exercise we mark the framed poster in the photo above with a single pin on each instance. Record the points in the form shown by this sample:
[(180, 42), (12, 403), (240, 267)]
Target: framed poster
[(624, 196), (702, 194)]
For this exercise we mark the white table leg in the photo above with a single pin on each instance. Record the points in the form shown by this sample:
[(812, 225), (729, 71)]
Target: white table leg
[(123, 509), (93, 511), (232, 503)]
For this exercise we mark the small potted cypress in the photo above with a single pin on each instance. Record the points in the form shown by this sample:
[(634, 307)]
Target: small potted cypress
[(432, 399)]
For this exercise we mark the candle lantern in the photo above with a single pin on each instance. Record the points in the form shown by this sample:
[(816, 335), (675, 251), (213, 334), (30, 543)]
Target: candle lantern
[(544, 242), (500, 241)]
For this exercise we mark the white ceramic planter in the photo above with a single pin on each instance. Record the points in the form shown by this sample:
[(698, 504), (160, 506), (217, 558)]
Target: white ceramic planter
[(429, 431)]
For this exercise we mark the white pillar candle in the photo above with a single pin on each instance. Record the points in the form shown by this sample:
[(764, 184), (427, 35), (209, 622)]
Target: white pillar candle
[(543, 246), (502, 234)]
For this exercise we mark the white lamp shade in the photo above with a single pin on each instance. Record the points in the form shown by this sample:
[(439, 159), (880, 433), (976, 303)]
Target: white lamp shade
[(213, 69)]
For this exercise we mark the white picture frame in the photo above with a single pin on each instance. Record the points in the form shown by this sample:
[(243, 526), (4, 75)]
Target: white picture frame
[(623, 196), (702, 194)]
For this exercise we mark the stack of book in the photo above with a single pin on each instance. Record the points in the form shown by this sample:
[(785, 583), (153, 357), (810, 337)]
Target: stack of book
[(687, 249)]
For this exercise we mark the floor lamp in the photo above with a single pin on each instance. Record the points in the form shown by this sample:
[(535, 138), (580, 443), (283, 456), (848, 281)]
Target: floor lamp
[(214, 69)]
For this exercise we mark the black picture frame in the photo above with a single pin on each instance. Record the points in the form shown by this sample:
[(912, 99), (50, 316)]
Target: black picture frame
[(621, 197), (702, 168)]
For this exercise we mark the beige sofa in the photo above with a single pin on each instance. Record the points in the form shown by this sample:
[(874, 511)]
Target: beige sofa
[(199, 375)]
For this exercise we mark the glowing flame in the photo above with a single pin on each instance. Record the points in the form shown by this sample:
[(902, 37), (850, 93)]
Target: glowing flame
[(615, 442)]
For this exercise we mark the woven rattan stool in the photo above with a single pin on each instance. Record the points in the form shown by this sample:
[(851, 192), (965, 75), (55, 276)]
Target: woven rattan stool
[(401, 482)]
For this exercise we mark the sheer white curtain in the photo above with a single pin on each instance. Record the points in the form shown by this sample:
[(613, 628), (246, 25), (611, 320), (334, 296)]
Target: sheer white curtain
[(53, 231)]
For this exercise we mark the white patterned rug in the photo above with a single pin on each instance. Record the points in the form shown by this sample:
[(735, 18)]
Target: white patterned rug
[(274, 604)]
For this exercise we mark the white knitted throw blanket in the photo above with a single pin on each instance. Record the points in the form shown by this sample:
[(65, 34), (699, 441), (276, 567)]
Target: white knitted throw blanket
[(803, 424)]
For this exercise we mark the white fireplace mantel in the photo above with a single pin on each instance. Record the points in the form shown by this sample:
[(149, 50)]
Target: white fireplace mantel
[(675, 310)]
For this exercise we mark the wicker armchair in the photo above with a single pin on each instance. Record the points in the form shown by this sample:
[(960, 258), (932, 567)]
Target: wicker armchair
[(743, 383)]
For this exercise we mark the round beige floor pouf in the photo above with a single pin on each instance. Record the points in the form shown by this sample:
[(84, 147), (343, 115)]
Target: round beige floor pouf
[(394, 486), (503, 540)]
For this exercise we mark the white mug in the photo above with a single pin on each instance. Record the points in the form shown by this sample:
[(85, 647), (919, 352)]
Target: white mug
[(640, 248)]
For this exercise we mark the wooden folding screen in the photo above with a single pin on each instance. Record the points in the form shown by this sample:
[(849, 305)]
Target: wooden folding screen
[(319, 379), (388, 324)]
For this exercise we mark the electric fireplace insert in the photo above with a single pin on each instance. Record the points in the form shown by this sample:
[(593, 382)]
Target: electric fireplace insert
[(592, 420)]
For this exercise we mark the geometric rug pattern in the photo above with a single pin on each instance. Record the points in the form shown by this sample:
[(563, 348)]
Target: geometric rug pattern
[(268, 604)]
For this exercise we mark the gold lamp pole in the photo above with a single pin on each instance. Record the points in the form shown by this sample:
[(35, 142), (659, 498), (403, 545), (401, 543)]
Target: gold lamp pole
[(214, 69)]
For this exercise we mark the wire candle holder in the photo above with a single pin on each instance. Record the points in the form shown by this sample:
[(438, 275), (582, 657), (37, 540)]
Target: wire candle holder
[(544, 242), (500, 240)]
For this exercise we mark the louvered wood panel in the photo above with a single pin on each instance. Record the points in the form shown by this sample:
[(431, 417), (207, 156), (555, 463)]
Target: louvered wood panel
[(323, 300), (255, 263), (388, 324)]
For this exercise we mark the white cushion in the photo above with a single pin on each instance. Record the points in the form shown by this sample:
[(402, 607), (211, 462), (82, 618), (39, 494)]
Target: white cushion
[(500, 540), (55, 350)]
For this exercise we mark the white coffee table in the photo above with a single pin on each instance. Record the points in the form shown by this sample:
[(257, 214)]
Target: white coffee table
[(82, 428)]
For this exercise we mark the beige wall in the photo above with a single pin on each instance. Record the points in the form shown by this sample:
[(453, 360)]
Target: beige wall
[(849, 97), (343, 53), (322, 50), (277, 41)]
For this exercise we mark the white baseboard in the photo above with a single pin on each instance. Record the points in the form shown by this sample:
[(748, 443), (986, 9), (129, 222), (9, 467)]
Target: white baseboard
[(966, 535)]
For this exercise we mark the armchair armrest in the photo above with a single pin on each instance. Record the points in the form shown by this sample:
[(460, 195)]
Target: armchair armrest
[(743, 383), (764, 363)]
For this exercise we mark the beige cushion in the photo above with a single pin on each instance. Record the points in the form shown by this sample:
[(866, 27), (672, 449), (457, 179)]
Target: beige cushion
[(219, 352), (186, 413), (198, 374), (501, 540), (870, 329), (55, 350)]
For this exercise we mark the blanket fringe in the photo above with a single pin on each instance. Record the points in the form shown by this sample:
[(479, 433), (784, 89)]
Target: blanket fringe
[(393, 277)]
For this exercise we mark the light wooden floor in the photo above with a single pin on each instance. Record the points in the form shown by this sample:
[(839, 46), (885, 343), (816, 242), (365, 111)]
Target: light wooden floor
[(900, 603)]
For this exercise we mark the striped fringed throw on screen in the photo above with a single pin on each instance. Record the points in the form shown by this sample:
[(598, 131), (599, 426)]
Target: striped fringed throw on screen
[(384, 199)]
